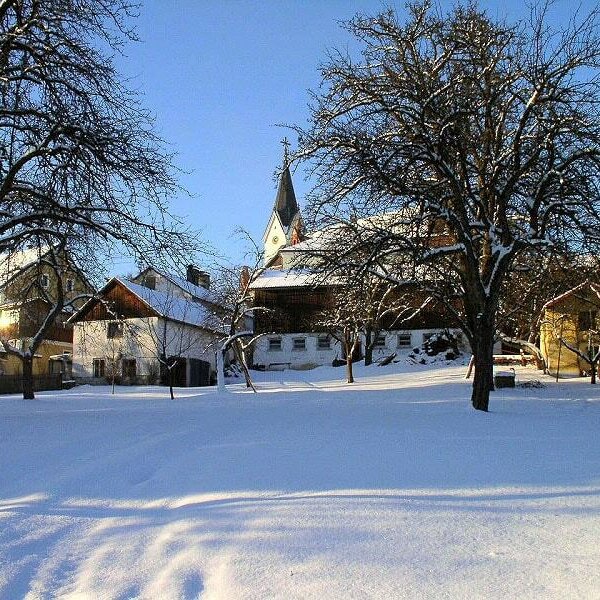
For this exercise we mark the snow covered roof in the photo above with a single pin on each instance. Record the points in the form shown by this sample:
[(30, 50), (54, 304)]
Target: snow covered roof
[(195, 290), (13, 263), (289, 278), (323, 239), (558, 299), (174, 307)]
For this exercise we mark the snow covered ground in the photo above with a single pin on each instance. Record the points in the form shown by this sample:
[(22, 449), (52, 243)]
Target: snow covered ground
[(390, 488)]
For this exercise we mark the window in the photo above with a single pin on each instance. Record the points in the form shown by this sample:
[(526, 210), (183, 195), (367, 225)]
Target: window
[(99, 367), (114, 330), (380, 341), (323, 342), (404, 340), (69, 285), (299, 343), (587, 320), (128, 368), (150, 282), (274, 344), (44, 280)]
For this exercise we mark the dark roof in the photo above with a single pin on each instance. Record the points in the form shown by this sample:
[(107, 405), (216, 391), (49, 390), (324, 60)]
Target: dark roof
[(285, 203)]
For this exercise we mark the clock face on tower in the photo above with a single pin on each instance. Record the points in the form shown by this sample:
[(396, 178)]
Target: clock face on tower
[(275, 239)]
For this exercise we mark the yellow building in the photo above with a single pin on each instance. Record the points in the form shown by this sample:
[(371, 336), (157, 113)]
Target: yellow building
[(569, 330), (28, 288)]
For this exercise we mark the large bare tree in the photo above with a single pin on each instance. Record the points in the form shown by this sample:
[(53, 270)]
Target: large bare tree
[(479, 139), (80, 164)]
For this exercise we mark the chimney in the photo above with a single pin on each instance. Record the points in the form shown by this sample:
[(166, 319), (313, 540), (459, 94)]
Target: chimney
[(204, 280), (198, 277)]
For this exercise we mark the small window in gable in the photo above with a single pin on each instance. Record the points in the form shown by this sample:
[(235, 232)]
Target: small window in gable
[(69, 285), (44, 280), (587, 320), (114, 330)]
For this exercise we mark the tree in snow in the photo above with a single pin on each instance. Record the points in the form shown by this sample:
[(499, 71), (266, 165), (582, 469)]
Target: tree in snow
[(234, 292), (80, 165), (342, 321), (479, 140), (175, 336)]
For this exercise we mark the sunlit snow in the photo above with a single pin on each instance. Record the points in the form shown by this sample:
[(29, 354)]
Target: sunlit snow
[(389, 488)]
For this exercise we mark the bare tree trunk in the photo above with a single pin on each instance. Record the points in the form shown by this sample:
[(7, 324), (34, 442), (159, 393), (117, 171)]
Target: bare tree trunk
[(171, 383), (349, 348), (593, 373), (28, 378), (483, 354), (368, 346), (242, 360)]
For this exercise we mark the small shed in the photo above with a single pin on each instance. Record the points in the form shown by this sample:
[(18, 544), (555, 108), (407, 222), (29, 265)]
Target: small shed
[(570, 319)]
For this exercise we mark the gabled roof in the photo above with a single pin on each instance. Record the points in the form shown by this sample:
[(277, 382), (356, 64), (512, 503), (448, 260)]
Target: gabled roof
[(13, 264), (582, 286), (162, 304), (286, 206)]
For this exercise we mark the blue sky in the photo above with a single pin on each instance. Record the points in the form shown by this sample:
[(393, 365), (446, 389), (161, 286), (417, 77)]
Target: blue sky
[(220, 75)]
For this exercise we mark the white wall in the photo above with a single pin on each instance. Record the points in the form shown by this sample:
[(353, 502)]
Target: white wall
[(274, 230), (312, 356), (289, 357), (141, 340)]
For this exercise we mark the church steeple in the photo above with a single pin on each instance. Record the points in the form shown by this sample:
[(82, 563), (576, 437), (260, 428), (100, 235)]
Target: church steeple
[(285, 202), (285, 224)]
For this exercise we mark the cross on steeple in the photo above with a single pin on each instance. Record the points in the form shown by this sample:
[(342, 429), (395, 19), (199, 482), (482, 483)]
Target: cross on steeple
[(286, 154)]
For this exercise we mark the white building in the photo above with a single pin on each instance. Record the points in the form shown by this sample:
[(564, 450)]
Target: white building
[(294, 293), (133, 329)]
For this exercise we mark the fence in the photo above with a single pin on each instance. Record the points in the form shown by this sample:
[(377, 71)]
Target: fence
[(13, 384)]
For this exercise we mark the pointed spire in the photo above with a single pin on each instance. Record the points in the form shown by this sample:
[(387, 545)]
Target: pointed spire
[(285, 202), (286, 152)]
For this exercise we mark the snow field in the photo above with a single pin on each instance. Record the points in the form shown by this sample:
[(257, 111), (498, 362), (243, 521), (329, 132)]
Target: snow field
[(389, 488)]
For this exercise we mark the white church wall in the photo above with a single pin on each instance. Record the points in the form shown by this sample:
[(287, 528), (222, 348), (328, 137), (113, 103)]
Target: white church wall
[(274, 237)]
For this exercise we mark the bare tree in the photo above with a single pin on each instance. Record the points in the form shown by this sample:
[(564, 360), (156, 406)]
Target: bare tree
[(178, 332), (533, 281), (234, 292), (80, 165), (479, 140), (343, 322)]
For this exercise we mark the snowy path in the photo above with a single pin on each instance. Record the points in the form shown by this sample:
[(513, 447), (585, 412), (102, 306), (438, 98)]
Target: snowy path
[(391, 488)]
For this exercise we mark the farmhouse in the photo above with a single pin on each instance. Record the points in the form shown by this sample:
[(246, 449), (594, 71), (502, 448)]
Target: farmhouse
[(134, 331), (29, 287)]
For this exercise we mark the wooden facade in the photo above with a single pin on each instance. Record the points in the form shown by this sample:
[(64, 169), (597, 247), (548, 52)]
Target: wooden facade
[(116, 302)]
